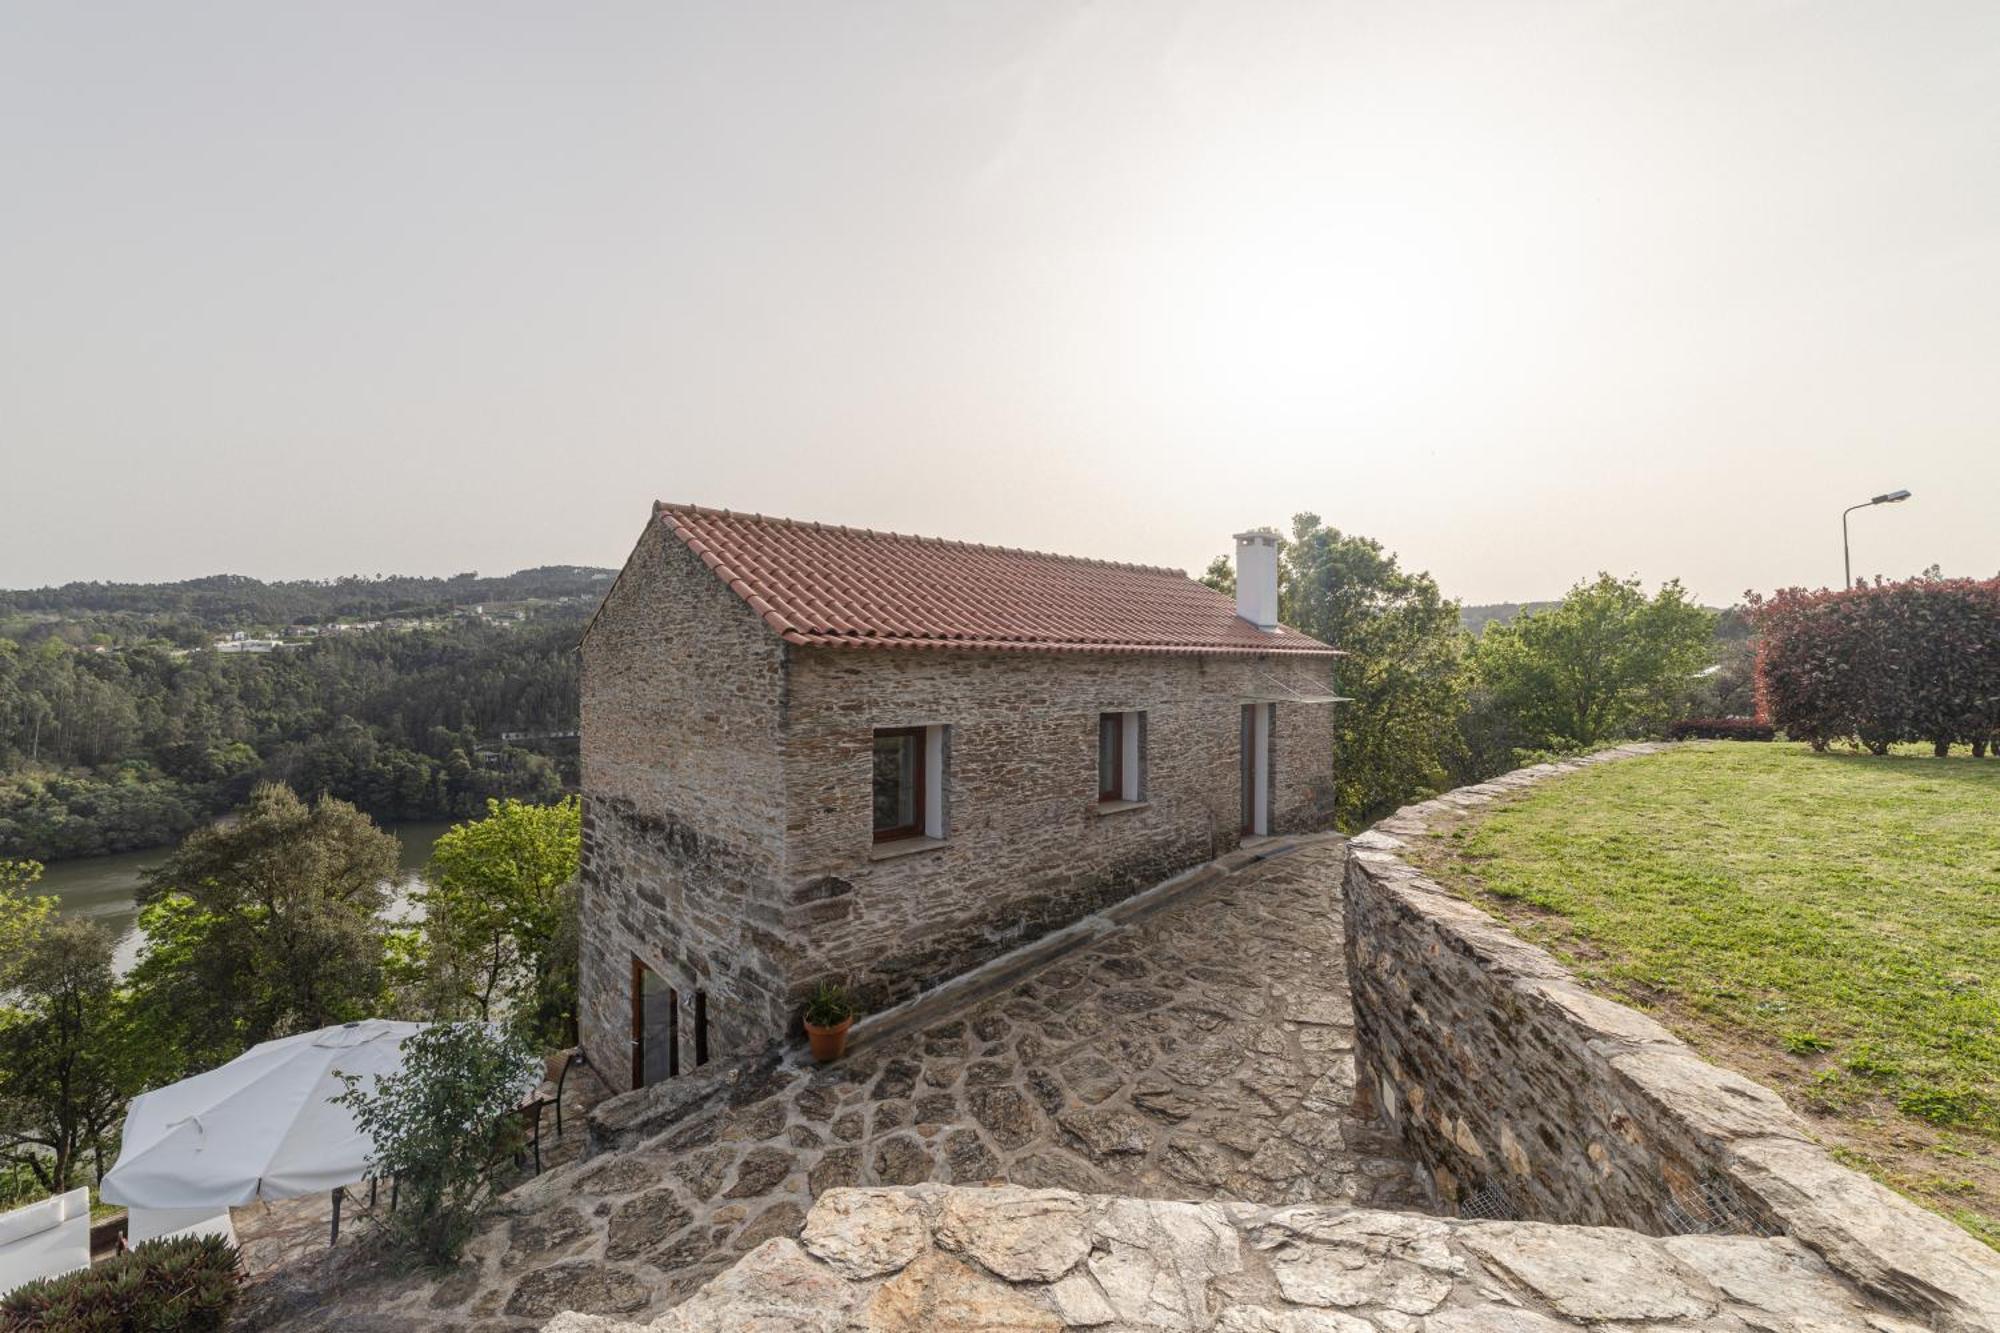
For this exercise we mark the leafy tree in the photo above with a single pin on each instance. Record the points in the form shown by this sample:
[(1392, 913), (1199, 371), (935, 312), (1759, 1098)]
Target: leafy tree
[(436, 1126), (67, 1058), (1405, 672), (22, 913), (498, 911), (1404, 675), (267, 925), (1606, 662)]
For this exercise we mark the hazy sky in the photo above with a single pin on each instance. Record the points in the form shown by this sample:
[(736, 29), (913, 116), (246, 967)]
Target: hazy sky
[(1523, 290)]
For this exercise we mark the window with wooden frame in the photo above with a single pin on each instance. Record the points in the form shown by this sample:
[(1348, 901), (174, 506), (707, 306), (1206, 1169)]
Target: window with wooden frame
[(901, 776), (1120, 756)]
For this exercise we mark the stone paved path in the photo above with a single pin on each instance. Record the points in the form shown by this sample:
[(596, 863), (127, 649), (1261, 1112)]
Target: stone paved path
[(1202, 1052)]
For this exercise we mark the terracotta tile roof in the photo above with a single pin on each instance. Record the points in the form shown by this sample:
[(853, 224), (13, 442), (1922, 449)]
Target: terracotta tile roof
[(841, 587)]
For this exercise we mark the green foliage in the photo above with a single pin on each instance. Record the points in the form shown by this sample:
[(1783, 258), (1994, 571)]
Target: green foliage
[(437, 1126), (1432, 707), (1839, 906), (1607, 662), (68, 1057), (265, 926), (1405, 673), (829, 1006), (22, 912), (188, 1284), (105, 748), (500, 915), (58, 815)]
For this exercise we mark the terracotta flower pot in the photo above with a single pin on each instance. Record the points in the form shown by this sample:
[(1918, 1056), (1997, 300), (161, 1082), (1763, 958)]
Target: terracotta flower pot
[(829, 1043)]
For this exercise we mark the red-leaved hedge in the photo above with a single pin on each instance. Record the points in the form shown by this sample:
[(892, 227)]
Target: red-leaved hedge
[(1912, 661)]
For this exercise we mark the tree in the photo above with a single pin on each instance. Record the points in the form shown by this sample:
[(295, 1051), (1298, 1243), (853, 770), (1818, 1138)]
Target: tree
[(265, 926), (1405, 675), (67, 1059), (1607, 661), (436, 1126), (498, 911), (22, 913)]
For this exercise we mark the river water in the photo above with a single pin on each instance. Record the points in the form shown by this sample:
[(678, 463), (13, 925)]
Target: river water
[(105, 888)]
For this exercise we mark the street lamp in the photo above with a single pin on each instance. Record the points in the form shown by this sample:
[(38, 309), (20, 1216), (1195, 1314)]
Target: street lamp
[(1846, 563)]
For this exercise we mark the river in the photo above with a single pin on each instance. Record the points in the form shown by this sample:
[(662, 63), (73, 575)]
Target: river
[(105, 888)]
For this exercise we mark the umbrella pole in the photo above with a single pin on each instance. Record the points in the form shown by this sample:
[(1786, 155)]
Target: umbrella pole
[(335, 1238)]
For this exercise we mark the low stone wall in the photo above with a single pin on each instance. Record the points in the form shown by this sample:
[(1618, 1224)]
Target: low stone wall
[(935, 1258), (1527, 1096)]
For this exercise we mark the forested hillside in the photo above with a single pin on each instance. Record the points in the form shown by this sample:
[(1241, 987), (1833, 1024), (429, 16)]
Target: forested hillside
[(122, 727), (192, 611)]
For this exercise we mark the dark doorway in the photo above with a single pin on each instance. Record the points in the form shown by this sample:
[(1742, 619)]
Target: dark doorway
[(1254, 766), (656, 1024), (700, 1028)]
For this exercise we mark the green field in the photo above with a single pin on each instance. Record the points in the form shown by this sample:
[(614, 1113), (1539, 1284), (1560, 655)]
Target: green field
[(1827, 923)]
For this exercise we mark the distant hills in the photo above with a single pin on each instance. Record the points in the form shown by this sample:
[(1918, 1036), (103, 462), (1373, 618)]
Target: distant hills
[(236, 601), (1477, 618)]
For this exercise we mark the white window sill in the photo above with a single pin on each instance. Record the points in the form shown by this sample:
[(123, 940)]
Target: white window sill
[(1118, 807), (889, 851)]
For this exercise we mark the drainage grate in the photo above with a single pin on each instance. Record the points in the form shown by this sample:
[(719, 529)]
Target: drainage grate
[(1488, 1203), (1714, 1209)]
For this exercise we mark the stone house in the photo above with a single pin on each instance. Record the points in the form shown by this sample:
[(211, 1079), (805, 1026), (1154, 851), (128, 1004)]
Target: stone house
[(822, 753)]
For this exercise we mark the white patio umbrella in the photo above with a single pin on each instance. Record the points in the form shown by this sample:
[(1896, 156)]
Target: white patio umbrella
[(262, 1126)]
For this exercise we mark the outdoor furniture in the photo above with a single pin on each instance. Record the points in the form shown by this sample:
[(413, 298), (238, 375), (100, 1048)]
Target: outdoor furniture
[(45, 1239), (263, 1126), (573, 1058), (107, 1238), (529, 1114), (144, 1224)]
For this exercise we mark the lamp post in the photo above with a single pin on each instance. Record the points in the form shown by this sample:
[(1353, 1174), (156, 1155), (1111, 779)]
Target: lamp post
[(1846, 562)]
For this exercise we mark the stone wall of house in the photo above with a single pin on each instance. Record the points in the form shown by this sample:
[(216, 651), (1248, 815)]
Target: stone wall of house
[(1527, 1096), (1027, 847), (683, 824)]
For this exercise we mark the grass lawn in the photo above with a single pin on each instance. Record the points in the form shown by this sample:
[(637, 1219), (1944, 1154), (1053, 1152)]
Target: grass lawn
[(1827, 923)]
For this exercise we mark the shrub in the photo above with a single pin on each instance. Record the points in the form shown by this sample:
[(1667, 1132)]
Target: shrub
[(190, 1283), (1912, 661), (1721, 729), (438, 1125)]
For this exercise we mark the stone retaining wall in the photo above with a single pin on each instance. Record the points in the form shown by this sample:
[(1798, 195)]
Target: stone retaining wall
[(1527, 1096)]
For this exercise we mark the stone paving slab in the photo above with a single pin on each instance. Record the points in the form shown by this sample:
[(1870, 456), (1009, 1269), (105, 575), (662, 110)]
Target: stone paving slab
[(938, 1258), (1204, 1051)]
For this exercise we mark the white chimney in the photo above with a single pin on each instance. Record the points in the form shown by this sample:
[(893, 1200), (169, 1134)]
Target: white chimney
[(1257, 578)]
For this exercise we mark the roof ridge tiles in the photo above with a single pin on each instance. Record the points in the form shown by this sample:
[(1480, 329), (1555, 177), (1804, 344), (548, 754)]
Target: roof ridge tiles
[(673, 507)]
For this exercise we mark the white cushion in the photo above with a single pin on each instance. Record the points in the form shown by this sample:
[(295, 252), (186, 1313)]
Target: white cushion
[(45, 1239), (143, 1224)]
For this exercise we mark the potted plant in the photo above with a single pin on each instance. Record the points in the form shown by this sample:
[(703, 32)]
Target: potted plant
[(829, 1014)]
